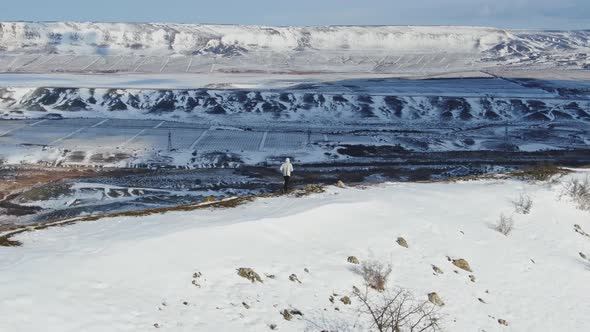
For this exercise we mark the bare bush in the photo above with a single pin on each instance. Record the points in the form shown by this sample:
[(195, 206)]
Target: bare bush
[(505, 224), (374, 274), (397, 311), (578, 191), (523, 204)]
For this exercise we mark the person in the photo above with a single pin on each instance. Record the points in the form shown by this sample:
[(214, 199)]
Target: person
[(286, 168)]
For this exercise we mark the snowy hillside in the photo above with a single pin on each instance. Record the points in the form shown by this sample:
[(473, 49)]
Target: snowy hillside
[(296, 105), (178, 271)]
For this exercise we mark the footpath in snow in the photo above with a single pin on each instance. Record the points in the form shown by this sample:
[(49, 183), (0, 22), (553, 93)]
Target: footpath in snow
[(178, 271)]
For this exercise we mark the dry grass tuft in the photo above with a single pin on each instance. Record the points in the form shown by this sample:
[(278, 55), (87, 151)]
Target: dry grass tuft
[(374, 273), (578, 190), (523, 204), (540, 173), (505, 224)]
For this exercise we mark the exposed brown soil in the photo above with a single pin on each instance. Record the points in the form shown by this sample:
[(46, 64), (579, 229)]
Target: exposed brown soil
[(33, 182)]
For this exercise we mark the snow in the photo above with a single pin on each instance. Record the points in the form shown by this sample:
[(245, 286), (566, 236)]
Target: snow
[(159, 81), (326, 82), (128, 273)]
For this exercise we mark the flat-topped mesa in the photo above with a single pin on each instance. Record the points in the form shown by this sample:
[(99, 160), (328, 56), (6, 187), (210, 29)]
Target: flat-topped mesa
[(190, 39), (63, 47)]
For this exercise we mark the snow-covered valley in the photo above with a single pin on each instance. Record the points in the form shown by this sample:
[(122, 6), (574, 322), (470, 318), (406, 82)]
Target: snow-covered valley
[(140, 186), (178, 271), (372, 103)]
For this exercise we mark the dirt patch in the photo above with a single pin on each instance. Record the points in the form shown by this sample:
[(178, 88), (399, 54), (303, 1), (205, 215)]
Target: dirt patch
[(371, 151), (45, 192), (5, 241), (108, 158), (22, 178), (76, 156), (540, 173)]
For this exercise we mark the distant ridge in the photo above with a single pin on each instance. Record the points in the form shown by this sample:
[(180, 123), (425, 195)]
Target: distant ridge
[(231, 40)]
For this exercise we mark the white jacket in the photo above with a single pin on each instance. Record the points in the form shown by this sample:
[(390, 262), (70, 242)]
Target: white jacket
[(286, 167)]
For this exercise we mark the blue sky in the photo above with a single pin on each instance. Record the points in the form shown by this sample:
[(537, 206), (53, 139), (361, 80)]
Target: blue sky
[(554, 14)]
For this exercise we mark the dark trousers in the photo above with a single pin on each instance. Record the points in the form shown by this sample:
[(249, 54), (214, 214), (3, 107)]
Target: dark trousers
[(286, 186)]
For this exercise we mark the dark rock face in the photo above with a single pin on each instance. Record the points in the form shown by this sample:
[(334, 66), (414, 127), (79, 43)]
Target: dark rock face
[(394, 104)]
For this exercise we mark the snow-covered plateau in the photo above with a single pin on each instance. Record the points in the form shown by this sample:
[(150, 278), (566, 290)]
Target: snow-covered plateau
[(179, 48), (177, 271), (234, 39)]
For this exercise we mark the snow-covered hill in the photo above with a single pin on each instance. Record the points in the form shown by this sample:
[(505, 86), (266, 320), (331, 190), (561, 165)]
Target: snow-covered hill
[(295, 106), (177, 271)]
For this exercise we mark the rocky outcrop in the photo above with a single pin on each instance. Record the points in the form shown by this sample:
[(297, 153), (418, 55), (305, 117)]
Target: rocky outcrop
[(353, 260), (288, 105), (402, 242), (462, 264), (248, 273), (435, 299)]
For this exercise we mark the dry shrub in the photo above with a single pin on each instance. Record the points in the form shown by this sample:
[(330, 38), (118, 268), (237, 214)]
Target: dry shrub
[(374, 274), (578, 191), (505, 224), (397, 311), (523, 204)]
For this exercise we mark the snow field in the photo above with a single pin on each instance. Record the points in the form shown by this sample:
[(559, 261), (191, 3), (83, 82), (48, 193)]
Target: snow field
[(128, 273), (270, 62), (147, 134)]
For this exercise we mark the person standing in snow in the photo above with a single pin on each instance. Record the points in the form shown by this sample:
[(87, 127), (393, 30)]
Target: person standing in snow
[(286, 168)]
